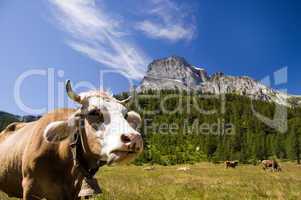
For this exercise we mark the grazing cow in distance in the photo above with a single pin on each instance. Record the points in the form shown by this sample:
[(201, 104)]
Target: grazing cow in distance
[(50, 157), (184, 169), (270, 164), (231, 164), (150, 168)]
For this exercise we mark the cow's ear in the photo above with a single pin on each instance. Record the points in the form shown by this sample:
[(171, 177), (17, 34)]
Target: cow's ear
[(56, 131), (133, 119), (60, 130)]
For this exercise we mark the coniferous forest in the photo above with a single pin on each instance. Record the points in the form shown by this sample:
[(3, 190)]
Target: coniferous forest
[(193, 128)]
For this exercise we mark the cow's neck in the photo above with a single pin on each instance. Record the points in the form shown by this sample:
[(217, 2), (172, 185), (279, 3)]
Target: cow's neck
[(90, 158), (88, 149)]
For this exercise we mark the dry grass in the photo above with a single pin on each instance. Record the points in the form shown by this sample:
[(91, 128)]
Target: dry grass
[(202, 181)]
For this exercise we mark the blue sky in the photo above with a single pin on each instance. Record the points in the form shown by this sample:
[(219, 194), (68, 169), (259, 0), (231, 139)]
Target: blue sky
[(78, 38)]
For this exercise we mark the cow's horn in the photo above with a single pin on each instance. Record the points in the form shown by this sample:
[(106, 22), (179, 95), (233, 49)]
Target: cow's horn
[(72, 95), (125, 100)]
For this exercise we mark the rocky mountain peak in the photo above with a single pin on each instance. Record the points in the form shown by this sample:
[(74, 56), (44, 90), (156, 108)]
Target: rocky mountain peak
[(217, 76), (176, 73), (166, 65), (173, 72)]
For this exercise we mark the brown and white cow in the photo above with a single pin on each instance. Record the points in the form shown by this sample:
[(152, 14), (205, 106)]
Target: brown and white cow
[(270, 164), (36, 159), (231, 164)]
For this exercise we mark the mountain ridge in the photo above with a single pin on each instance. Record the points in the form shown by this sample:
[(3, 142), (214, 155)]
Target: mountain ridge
[(175, 73)]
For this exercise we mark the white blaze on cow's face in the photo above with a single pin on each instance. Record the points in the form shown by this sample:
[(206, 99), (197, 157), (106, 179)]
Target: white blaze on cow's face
[(114, 127), (107, 122)]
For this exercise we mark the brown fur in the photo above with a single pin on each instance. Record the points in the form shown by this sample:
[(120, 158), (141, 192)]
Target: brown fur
[(32, 168), (270, 164), (11, 128), (231, 164)]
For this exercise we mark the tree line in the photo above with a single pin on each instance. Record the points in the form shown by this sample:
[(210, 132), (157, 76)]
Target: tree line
[(232, 132)]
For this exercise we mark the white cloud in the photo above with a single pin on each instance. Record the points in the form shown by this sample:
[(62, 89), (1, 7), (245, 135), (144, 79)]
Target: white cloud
[(167, 20), (168, 31), (99, 36)]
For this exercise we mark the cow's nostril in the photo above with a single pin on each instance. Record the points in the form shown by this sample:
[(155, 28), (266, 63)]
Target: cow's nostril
[(125, 138)]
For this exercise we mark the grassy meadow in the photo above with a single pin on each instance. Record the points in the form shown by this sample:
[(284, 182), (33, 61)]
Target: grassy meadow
[(201, 181)]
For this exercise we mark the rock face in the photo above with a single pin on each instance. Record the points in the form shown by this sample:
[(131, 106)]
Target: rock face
[(244, 86), (176, 73), (172, 73)]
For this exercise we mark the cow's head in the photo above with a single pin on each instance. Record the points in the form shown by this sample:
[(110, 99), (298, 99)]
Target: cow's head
[(110, 128)]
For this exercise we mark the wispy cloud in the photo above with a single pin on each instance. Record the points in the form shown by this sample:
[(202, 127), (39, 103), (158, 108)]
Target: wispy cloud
[(168, 20), (98, 35)]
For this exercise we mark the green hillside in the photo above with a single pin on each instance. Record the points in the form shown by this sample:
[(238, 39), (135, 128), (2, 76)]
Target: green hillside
[(6, 118), (232, 133)]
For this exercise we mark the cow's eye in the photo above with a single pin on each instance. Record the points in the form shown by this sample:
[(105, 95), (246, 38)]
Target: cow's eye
[(95, 118)]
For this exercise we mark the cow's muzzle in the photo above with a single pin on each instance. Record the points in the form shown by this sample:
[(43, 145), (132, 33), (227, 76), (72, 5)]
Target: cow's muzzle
[(131, 147), (132, 143)]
